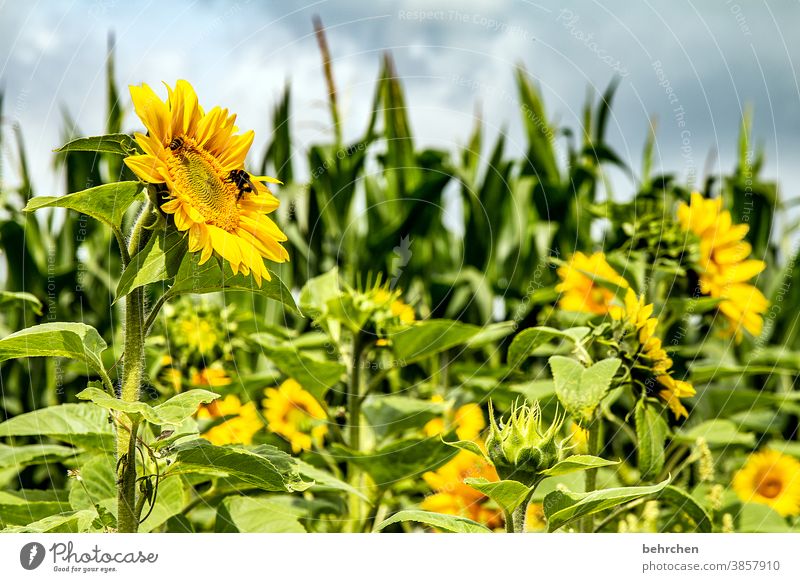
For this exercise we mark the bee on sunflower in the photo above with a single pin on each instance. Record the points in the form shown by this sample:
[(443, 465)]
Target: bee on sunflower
[(197, 159), (724, 268)]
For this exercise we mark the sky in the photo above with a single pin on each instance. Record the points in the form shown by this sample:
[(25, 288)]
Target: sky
[(693, 66)]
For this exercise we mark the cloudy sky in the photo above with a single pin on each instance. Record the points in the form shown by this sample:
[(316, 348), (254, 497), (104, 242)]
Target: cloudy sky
[(693, 65)]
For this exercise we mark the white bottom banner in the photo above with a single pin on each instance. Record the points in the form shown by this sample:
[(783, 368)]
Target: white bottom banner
[(423, 557)]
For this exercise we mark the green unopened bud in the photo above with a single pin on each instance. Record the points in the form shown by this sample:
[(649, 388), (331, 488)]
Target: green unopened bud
[(521, 448)]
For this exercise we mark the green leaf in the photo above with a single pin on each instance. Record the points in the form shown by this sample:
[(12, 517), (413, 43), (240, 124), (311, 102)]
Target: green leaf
[(441, 521), (577, 463), (25, 506), (491, 333), (564, 507), (72, 522), (260, 515), (79, 424), (24, 455), (315, 375), (470, 446), (107, 203), (426, 338), (507, 494), (693, 305), (264, 467), (173, 411), (76, 341), (118, 143), (400, 460), (717, 432), (171, 499), (681, 500), (390, 414), (651, 432), (580, 389), (158, 261), (530, 339), (192, 277), (323, 479), (14, 297), (317, 292), (760, 518)]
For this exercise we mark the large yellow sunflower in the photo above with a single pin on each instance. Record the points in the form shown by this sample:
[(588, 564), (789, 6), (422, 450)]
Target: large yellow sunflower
[(649, 355), (201, 159), (580, 292), (771, 478), (295, 414), (725, 268), (468, 421)]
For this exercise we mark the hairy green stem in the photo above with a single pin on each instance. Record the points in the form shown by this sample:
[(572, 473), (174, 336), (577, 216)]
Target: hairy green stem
[(587, 523), (518, 517), (354, 430)]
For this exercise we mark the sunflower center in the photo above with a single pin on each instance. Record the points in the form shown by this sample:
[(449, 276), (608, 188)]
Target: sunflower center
[(770, 487), (199, 177)]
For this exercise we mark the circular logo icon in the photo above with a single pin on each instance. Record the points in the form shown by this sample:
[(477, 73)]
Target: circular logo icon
[(31, 555)]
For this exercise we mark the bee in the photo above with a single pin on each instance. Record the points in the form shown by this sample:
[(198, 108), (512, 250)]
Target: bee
[(176, 144), (242, 181)]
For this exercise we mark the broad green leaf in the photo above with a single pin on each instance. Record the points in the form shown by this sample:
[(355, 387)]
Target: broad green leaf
[(426, 338), (171, 499), (577, 463), (683, 501), (97, 484), (107, 203), (318, 291), (470, 446), (159, 260), (172, 412), (72, 522), (564, 507), (260, 515), (315, 375), (651, 432), (400, 460), (264, 467), (80, 424), (717, 432), (389, 413), (27, 506), (116, 143), (492, 333), (441, 521), (532, 338), (24, 455), (192, 277), (507, 494), (580, 389), (76, 341), (322, 479), (15, 297), (760, 518)]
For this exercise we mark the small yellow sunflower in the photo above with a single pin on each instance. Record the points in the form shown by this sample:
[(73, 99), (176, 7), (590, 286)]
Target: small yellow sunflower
[(724, 267), (580, 292), (649, 353), (454, 497), (468, 420), (211, 376), (237, 430), (534, 518), (295, 414), (200, 159), (771, 478)]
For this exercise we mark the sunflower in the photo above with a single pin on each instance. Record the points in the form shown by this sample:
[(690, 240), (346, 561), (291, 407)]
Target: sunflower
[(468, 421), (650, 364), (724, 267), (771, 478), (200, 159), (211, 376), (239, 429), (454, 497), (295, 414), (580, 291)]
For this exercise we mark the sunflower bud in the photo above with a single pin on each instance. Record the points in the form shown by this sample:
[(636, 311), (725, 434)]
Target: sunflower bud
[(521, 448)]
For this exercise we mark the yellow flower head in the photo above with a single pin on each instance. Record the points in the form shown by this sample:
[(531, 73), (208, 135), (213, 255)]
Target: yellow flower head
[(580, 292), (200, 159), (237, 430), (198, 334), (771, 478), (294, 414), (648, 352), (454, 497), (724, 267), (210, 377), (468, 421)]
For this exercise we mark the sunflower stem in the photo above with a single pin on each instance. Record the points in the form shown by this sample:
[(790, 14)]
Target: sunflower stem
[(132, 375), (354, 428), (593, 445), (518, 517)]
